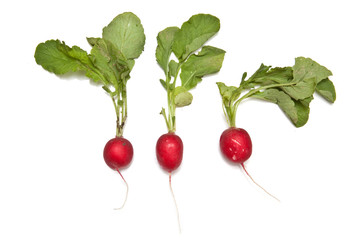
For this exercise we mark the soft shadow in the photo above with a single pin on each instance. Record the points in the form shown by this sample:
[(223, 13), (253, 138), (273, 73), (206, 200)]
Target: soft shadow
[(229, 162), (126, 167), (79, 75)]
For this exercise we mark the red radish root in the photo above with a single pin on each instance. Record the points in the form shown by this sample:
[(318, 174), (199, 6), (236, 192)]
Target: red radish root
[(236, 146), (169, 151), (173, 195), (127, 191), (118, 153), (242, 164)]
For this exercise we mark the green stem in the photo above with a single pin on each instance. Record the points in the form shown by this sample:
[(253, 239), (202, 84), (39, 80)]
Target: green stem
[(232, 116), (166, 120), (117, 116), (225, 110), (252, 92), (170, 118), (120, 105), (123, 109), (171, 111)]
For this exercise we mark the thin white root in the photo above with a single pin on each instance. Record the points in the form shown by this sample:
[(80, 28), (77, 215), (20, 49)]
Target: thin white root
[(177, 210), (242, 164), (127, 191)]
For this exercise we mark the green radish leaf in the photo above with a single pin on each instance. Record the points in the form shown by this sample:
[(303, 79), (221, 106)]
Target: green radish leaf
[(243, 77), (227, 93), (54, 60), (266, 75), (326, 89), (182, 97), (297, 112), (280, 75), (302, 89), (75, 52), (193, 34), (56, 57), (302, 112), (163, 83), (110, 52), (207, 61), (165, 41), (107, 90), (306, 101), (258, 78), (173, 67), (260, 73), (92, 41), (291, 88), (111, 63), (305, 68), (125, 66), (124, 69), (102, 59), (126, 33)]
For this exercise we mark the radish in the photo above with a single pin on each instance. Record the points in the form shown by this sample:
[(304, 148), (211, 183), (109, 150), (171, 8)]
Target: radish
[(118, 153), (291, 88), (235, 144), (169, 151), (109, 63), (193, 62)]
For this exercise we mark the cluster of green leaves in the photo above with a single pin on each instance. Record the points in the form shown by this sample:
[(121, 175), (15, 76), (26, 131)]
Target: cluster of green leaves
[(109, 63), (291, 88), (193, 60)]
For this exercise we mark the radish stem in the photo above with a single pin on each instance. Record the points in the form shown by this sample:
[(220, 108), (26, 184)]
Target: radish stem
[(127, 190), (177, 210), (242, 164)]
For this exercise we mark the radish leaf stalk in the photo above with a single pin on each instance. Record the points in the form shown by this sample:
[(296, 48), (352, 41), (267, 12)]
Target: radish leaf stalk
[(109, 63), (191, 66), (291, 88)]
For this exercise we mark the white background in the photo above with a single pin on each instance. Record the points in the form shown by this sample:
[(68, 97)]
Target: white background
[(54, 183)]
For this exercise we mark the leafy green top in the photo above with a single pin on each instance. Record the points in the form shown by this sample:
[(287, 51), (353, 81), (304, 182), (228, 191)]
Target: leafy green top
[(291, 88), (184, 42), (110, 61)]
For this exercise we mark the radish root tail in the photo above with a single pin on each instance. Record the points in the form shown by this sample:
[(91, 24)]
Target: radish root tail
[(242, 164), (177, 210), (127, 190)]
